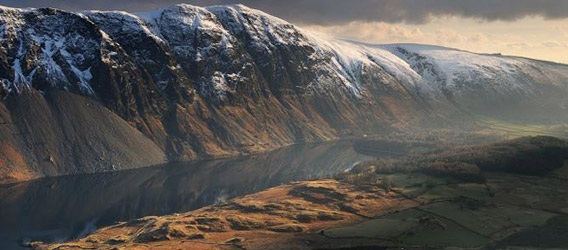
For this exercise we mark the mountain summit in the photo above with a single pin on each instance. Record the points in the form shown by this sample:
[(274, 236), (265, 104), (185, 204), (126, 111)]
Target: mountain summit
[(107, 90)]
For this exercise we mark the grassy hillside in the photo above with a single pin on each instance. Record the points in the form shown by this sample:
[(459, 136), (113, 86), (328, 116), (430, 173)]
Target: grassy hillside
[(508, 195)]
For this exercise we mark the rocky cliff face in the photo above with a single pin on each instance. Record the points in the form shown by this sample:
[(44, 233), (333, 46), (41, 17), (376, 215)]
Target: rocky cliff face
[(97, 91)]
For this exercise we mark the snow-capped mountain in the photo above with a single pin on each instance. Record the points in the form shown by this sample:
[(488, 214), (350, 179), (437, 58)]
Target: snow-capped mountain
[(191, 82)]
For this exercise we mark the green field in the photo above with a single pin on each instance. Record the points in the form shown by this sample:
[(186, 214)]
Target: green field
[(466, 215), (441, 192), (381, 228), (494, 196), (406, 227)]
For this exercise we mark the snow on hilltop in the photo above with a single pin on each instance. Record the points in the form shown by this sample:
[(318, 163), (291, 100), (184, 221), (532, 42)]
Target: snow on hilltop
[(220, 46)]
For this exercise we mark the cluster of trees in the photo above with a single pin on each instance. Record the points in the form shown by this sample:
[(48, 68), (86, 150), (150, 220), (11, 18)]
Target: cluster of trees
[(449, 137), (529, 155), (396, 145)]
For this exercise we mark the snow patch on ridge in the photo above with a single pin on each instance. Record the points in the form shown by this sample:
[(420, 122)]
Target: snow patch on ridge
[(212, 39), (47, 45)]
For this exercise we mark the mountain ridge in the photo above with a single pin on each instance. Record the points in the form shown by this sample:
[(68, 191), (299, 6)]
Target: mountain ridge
[(202, 82)]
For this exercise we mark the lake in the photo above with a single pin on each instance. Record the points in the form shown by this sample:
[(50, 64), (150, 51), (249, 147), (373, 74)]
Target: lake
[(64, 208)]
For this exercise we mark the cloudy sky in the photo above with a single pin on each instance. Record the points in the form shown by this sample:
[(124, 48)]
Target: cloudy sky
[(531, 28)]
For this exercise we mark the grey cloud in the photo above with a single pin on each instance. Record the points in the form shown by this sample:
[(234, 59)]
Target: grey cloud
[(327, 12)]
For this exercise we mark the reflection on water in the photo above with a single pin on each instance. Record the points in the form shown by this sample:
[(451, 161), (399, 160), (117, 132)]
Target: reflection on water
[(57, 209)]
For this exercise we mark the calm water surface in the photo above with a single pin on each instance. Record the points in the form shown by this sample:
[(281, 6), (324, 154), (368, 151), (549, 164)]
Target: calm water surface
[(64, 208)]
